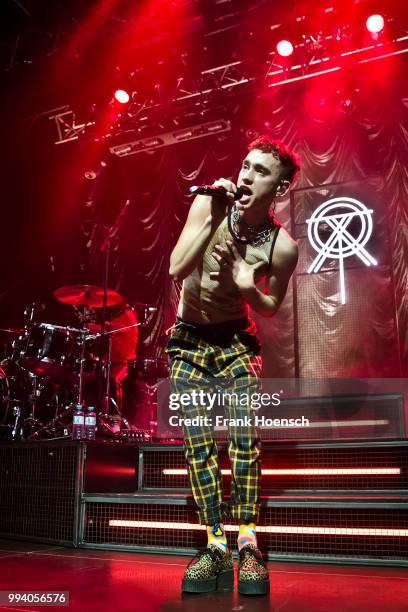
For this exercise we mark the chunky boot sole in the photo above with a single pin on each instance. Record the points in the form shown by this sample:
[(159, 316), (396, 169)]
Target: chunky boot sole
[(223, 582), (253, 587), (189, 585)]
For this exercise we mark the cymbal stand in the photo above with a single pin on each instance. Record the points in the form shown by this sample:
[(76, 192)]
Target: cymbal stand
[(83, 339), (31, 425), (84, 336), (106, 249), (107, 399)]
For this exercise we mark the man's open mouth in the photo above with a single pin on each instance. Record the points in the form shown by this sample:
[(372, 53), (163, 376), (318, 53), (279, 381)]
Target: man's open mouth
[(247, 193)]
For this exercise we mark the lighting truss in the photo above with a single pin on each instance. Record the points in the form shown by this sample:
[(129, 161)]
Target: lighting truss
[(168, 138), (66, 125), (281, 75), (194, 100)]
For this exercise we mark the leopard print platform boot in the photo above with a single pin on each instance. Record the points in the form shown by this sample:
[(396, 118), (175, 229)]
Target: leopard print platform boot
[(211, 569), (253, 577)]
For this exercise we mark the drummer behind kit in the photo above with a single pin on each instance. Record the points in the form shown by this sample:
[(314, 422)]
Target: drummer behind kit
[(48, 370)]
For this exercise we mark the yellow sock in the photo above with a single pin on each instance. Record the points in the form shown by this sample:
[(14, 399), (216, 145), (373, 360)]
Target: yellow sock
[(216, 536), (247, 535)]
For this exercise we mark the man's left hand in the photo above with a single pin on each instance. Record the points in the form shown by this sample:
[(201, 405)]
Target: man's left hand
[(232, 264)]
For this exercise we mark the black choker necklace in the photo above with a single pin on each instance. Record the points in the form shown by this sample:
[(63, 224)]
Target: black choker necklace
[(255, 234)]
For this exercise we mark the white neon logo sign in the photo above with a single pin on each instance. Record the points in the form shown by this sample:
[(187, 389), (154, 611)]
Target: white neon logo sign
[(341, 243)]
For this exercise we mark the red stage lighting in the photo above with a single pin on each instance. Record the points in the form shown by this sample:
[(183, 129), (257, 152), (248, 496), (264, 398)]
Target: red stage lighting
[(122, 96), (284, 48), (375, 24)]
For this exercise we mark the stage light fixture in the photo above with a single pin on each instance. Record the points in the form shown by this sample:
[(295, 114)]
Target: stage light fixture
[(284, 48), (121, 96), (375, 24), (355, 471), (324, 530)]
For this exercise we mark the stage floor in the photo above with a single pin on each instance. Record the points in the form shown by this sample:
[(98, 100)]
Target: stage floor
[(108, 580)]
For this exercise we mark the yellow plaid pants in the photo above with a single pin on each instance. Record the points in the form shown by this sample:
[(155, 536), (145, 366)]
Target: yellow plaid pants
[(202, 357)]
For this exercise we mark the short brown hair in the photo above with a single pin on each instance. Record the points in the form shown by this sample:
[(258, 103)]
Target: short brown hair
[(290, 161)]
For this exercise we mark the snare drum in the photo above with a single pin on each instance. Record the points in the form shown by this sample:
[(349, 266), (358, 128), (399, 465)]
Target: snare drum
[(47, 350)]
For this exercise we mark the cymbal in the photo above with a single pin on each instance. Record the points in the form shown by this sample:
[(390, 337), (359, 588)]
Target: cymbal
[(11, 330), (86, 295)]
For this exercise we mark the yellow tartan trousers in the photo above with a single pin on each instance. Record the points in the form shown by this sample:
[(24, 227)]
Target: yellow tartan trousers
[(201, 357)]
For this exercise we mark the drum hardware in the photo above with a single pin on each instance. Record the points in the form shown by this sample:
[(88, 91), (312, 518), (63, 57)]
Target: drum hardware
[(143, 307), (87, 297), (8, 339), (134, 434), (82, 342), (103, 414), (38, 408), (17, 418), (57, 427), (31, 312), (31, 422), (12, 399), (10, 426)]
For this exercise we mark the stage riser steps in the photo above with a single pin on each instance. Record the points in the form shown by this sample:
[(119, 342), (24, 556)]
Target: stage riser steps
[(340, 530), (337, 467)]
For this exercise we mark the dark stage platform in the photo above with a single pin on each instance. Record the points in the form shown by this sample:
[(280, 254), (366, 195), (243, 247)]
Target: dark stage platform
[(338, 502), (112, 580)]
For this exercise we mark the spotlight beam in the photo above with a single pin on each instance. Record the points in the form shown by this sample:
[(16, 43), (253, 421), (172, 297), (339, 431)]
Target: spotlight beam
[(22, 7)]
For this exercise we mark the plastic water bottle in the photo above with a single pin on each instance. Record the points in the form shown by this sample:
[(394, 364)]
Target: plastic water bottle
[(78, 423), (90, 423)]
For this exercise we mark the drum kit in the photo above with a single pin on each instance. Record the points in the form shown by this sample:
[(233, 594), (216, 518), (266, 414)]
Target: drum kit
[(47, 369)]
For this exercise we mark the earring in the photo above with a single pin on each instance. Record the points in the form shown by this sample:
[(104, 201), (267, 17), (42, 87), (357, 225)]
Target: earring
[(281, 189)]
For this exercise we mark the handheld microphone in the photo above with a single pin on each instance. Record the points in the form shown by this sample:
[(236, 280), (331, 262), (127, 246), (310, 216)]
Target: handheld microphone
[(215, 192)]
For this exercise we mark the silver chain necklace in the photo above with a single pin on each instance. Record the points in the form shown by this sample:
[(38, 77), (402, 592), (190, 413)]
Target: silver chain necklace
[(256, 234)]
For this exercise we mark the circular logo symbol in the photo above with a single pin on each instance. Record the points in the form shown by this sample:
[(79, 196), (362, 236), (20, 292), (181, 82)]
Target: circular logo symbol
[(336, 215)]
